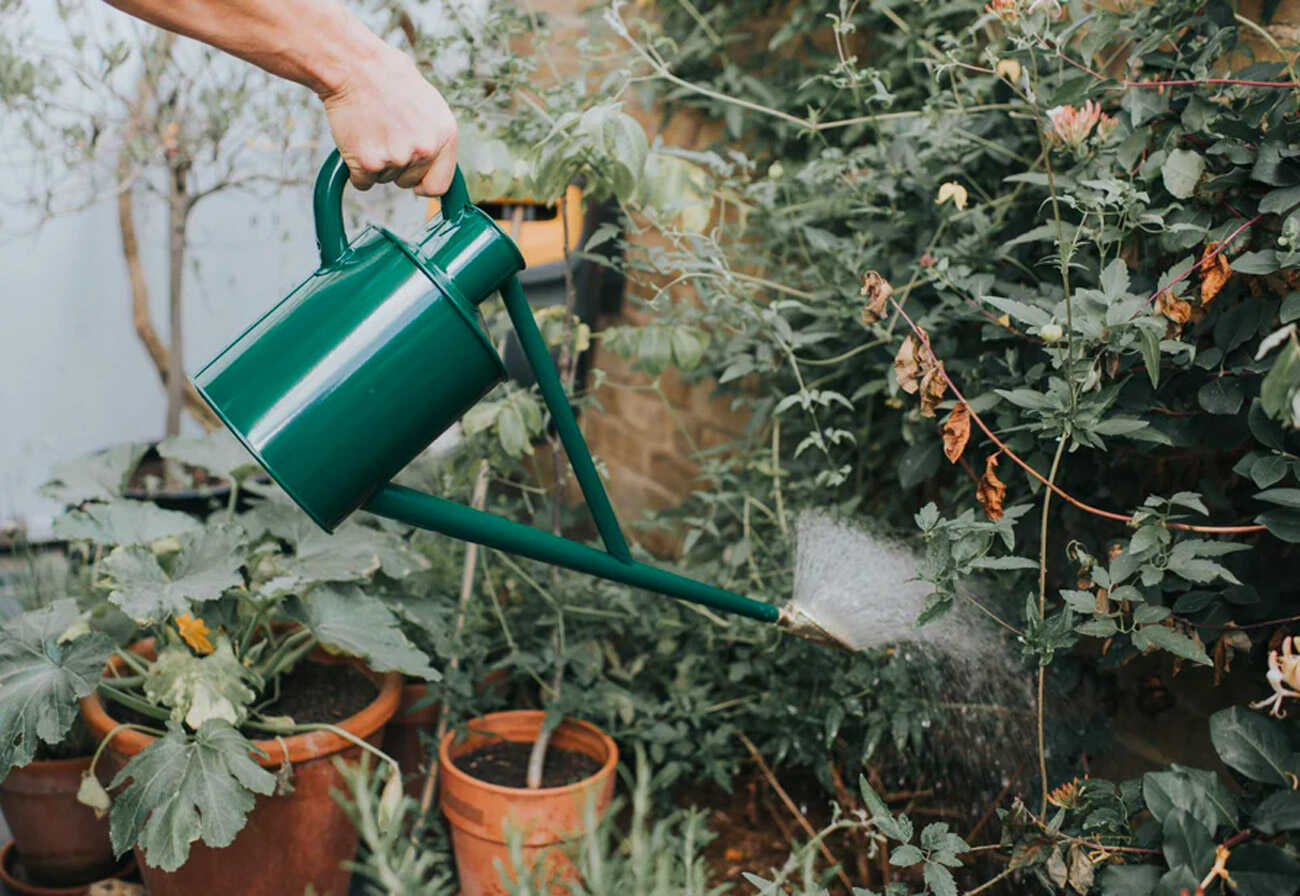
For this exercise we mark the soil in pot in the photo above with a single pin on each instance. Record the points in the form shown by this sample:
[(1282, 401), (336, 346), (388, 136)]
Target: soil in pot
[(484, 814), (505, 763), (291, 840)]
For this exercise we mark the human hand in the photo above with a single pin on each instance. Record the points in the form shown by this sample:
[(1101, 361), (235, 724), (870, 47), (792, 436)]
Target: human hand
[(390, 124)]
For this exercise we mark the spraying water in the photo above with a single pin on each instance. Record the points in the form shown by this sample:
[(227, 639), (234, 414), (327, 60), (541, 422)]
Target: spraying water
[(861, 590)]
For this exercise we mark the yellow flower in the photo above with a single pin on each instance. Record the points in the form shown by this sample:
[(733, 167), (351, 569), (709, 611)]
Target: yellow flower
[(1008, 69), (194, 632), (954, 191)]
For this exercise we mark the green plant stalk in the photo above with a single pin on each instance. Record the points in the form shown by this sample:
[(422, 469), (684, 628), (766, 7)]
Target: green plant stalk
[(130, 701)]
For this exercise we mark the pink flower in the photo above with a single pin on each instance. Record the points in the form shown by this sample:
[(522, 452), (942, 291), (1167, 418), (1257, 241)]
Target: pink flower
[(1105, 127), (1051, 7), (1071, 126)]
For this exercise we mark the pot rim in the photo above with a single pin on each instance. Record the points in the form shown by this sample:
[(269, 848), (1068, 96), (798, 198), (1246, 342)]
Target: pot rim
[(124, 868), (449, 769), (297, 747)]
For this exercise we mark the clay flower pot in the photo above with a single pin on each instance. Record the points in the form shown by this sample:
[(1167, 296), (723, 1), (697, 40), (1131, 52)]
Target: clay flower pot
[(402, 736), (481, 814), (14, 876), (57, 841), (290, 841)]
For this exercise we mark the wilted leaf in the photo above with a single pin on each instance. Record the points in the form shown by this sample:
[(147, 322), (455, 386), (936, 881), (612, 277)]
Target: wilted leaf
[(991, 491), (186, 787), (956, 432), (933, 387), (218, 452), (41, 679), (1215, 272), (907, 365), (877, 291), (1173, 308)]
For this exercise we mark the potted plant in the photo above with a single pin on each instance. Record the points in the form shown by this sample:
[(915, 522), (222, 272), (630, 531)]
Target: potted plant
[(487, 799), (49, 656), (261, 650)]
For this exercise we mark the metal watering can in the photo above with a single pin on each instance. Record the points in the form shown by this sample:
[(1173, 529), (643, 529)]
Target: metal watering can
[(371, 358)]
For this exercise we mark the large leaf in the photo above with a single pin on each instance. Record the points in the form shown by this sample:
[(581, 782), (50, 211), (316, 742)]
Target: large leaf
[(1197, 792), (218, 452), (198, 688), (100, 476), (1186, 843), (347, 620), (41, 679), (183, 788), (1262, 869), (147, 588), (352, 553), (1279, 812), (1253, 744), (123, 522)]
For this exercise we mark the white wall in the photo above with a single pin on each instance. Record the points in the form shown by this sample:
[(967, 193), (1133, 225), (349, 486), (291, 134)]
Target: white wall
[(73, 375)]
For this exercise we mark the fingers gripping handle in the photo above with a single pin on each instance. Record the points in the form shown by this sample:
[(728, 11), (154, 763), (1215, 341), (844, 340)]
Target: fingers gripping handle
[(327, 204)]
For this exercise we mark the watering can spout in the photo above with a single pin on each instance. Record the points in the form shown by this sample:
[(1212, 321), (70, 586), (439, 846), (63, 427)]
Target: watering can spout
[(351, 376)]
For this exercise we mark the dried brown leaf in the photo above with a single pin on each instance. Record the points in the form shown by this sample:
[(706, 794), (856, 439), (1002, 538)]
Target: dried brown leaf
[(933, 387), (991, 490), (907, 365), (1215, 272), (956, 432), (1178, 311), (877, 291)]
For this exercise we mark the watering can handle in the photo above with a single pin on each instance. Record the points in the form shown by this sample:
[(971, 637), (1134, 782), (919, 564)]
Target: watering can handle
[(327, 203)]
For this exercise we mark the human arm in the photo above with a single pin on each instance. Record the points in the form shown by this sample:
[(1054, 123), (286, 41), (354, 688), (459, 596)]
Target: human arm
[(389, 123)]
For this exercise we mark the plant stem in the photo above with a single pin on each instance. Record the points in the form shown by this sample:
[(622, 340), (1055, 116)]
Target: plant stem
[(1042, 613), (274, 728), (130, 701), (477, 500)]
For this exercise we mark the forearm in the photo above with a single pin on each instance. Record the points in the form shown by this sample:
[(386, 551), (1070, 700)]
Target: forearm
[(316, 43)]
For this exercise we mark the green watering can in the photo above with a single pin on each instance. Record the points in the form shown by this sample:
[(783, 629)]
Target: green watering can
[(341, 384)]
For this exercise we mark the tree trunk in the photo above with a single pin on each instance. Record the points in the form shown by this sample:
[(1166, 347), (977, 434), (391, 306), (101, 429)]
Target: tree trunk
[(141, 318), (177, 217)]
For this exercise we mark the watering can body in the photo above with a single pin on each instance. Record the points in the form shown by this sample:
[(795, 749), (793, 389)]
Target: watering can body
[(348, 378)]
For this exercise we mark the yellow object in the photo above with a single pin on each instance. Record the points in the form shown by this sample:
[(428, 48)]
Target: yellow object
[(195, 632), (541, 241)]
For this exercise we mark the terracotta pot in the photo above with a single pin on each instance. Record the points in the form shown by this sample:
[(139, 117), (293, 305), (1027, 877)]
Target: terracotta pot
[(59, 842), (481, 813), (289, 841), (14, 875), (403, 738)]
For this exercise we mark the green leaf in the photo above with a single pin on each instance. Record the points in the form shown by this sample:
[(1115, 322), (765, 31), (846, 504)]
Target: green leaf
[(939, 880), (1285, 524), (1252, 744), (1278, 812), (1222, 395), (184, 788), (905, 856), (1181, 172), (198, 688), (1178, 644), (1276, 390), (1191, 790), (123, 522), (347, 620), (207, 563), (1187, 843), (1115, 279), (1151, 354), (1262, 869), (1268, 470), (918, 463), (1027, 314), (1290, 308), (1277, 202), (1128, 880), (218, 452), (41, 679), (1283, 497), (1262, 262), (100, 476)]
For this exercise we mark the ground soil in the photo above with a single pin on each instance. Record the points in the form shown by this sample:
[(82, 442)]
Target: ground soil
[(505, 763)]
